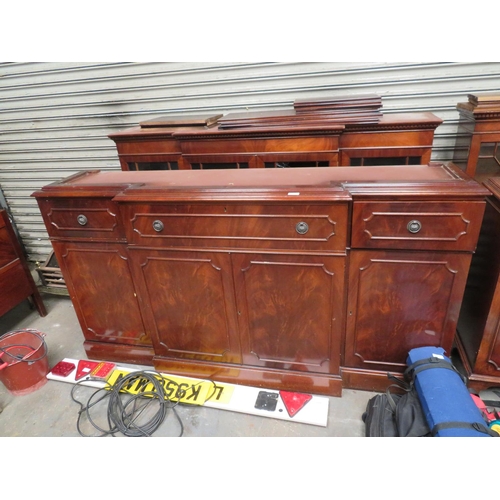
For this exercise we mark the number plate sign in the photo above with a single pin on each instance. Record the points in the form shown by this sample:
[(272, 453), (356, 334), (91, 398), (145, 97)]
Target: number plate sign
[(178, 389)]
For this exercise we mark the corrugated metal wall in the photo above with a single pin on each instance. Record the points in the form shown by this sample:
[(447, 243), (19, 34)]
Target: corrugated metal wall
[(55, 117)]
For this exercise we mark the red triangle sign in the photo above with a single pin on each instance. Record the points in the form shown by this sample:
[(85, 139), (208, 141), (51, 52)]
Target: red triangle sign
[(294, 401), (84, 368)]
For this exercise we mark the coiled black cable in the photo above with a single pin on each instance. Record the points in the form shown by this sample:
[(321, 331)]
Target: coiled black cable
[(130, 414), (17, 348)]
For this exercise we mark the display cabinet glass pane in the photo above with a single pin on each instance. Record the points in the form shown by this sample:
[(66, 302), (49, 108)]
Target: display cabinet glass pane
[(386, 160), (218, 166), (295, 164), (153, 165), (488, 161)]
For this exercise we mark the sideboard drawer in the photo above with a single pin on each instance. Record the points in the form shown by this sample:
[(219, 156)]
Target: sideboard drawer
[(417, 225), (95, 218), (298, 227)]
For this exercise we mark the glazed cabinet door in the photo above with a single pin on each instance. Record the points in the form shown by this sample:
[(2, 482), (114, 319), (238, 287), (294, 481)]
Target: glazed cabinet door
[(188, 302), (478, 328), (290, 310), (401, 300), (102, 291)]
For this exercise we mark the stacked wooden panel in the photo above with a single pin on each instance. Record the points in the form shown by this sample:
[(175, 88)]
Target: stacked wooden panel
[(364, 108)]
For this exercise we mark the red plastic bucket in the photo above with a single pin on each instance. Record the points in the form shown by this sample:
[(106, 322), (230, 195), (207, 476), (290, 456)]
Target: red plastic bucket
[(23, 361)]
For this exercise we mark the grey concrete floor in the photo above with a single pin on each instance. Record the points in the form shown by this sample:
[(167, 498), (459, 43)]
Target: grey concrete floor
[(50, 411)]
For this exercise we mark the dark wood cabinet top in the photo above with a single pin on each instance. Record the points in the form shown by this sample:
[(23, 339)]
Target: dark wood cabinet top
[(480, 108), (322, 183), (493, 185), (391, 121)]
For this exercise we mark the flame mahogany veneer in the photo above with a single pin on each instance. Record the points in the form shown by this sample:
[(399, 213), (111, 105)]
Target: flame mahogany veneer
[(304, 279)]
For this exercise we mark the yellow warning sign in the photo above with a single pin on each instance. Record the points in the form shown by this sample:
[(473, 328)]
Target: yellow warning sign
[(177, 389)]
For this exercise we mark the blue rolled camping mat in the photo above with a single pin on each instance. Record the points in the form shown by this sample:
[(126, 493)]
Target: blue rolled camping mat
[(448, 407)]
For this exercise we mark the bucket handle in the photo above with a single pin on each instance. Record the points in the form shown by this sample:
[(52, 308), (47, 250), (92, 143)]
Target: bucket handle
[(3, 365), (41, 336), (38, 334)]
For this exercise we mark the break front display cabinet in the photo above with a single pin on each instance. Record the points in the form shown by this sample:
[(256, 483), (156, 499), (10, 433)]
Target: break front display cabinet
[(477, 152), (342, 131)]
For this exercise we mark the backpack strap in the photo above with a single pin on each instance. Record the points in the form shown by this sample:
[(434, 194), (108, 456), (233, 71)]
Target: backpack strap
[(398, 384), (492, 403), (429, 363), (401, 384), (463, 425)]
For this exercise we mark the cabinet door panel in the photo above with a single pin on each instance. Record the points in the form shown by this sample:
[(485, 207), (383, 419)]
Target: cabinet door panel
[(290, 310), (189, 303), (7, 250), (100, 285), (15, 286), (401, 300)]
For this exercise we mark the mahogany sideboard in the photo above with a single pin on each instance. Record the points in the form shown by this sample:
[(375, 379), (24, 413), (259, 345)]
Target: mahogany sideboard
[(16, 281), (179, 143), (304, 279)]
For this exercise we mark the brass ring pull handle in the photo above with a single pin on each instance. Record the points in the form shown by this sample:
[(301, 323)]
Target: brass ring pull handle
[(302, 228), (158, 226), (414, 226), (82, 220)]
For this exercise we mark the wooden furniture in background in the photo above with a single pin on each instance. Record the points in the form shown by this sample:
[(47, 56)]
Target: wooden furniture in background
[(478, 328), (478, 331), (479, 135), (16, 281), (307, 280), (51, 276), (349, 131)]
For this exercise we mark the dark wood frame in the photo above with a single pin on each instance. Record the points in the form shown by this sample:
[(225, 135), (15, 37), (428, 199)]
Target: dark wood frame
[(392, 136), (479, 123), (478, 330)]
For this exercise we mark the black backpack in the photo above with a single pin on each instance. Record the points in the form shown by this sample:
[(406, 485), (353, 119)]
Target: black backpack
[(396, 414)]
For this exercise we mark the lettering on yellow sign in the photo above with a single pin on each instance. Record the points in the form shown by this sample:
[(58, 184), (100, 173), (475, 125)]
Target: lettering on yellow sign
[(220, 393), (177, 389)]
